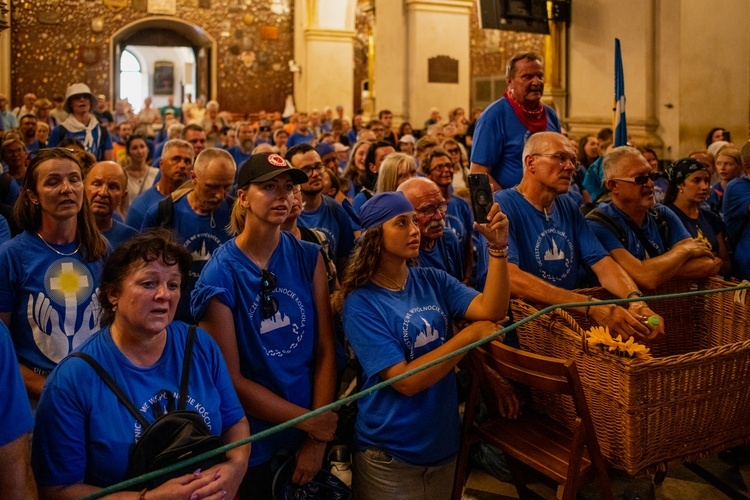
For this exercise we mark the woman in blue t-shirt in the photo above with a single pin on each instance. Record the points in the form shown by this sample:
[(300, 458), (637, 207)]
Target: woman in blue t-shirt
[(84, 437), (689, 187), (49, 273), (397, 318), (264, 298)]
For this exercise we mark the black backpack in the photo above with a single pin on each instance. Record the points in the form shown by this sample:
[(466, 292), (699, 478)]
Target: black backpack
[(174, 436), (165, 210)]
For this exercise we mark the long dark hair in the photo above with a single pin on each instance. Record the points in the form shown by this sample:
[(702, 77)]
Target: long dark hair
[(28, 216), (363, 263), (155, 244)]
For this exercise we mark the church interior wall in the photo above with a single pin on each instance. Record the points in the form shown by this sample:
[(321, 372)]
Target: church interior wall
[(255, 41)]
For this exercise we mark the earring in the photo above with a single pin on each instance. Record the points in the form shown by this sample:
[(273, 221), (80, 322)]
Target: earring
[(114, 308)]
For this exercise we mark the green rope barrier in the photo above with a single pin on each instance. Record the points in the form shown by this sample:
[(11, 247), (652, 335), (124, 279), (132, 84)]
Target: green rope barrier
[(124, 485)]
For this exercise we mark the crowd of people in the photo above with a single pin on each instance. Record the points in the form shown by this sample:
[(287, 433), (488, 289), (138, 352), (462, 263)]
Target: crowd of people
[(304, 246)]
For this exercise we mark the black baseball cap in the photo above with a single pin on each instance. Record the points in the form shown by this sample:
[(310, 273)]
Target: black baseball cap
[(261, 167)]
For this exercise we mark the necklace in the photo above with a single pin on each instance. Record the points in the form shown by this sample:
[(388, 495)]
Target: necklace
[(396, 285), (58, 252), (544, 209), (255, 260)]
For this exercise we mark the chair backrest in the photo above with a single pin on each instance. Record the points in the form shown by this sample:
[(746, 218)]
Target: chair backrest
[(496, 361)]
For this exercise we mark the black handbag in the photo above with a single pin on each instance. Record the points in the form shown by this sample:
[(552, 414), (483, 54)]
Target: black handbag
[(174, 436)]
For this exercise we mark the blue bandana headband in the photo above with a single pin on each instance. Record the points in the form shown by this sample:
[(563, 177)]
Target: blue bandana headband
[(383, 207)]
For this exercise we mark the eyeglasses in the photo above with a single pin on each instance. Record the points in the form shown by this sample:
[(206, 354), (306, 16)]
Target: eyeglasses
[(318, 167), (430, 210), (268, 302), (640, 179), (444, 166), (562, 158)]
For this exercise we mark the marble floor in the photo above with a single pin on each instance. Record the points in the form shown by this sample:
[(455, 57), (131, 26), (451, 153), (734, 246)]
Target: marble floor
[(680, 483)]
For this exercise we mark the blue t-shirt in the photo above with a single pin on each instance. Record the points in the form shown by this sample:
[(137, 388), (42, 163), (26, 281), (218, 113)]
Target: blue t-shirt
[(446, 255), (297, 138), (102, 141), (737, 218), (360, 200), (459, 219), (388, 327), (592, 181), (331, 219), (51, 298), (141, 204), (84, 434), (119, 233), (609, 240), (201, 235), (17, 420), (239, 158), (554, 250), (499, 138), (14, 191), (705, 228), (715, 198), (277, 353), (4, 230)]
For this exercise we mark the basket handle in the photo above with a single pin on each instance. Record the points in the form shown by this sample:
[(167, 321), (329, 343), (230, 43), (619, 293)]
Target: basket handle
[(563, 316)]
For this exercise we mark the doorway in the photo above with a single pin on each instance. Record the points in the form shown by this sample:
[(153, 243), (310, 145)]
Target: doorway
[(173, 58)]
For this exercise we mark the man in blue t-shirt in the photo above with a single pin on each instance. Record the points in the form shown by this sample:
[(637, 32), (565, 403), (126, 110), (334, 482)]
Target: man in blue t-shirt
[(652, 245), (322, 212), (438, 167), (506, 124), (244, 148), (200, 216), (176, 165), (302, 133), (549, 242), (438, 245), (106, 186), (736, 208)]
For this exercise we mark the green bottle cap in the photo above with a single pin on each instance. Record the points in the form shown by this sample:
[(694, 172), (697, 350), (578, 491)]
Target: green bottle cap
[(653, 321)]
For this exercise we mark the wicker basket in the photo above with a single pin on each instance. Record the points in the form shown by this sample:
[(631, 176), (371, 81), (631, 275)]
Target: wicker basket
[(692, 398)]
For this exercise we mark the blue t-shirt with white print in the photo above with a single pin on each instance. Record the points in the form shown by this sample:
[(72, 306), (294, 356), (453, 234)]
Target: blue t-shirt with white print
[(388, 327)]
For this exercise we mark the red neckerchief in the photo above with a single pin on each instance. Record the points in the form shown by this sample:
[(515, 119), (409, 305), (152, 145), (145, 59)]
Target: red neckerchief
[(534, 120)]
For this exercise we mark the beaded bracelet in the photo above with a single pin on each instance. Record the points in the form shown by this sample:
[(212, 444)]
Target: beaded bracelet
[(497, 247), (500, 254)]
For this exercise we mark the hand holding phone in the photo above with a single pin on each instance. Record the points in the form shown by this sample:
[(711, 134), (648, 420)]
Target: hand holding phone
[(481, 196)]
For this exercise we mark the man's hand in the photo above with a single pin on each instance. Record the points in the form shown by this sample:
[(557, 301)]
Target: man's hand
[(642, 312), (619, 321)]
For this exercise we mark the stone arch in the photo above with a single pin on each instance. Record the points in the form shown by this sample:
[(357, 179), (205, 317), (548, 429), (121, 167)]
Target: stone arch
[(163, 30)]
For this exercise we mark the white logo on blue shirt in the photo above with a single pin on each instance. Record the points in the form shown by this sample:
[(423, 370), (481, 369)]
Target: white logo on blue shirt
[(425, 330), (553, 252), (67, 283), (288, 327)]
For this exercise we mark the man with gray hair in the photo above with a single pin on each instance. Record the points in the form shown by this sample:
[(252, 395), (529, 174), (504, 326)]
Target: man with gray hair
[(176, 165), (198, 214), (438, 245), (550, 244), (106, 184), (649, 241), (506, 124)]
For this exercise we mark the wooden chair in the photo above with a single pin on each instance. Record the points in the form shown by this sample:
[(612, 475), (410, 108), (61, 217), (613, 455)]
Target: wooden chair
[(567, 457)]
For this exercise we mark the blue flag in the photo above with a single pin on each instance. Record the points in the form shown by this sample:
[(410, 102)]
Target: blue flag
[(620, 125)]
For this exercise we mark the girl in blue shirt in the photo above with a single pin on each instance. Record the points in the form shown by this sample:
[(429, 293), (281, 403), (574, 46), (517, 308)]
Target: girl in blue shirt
[(398, 318), (264, 297)]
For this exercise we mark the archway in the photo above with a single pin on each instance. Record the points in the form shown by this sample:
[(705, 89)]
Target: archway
[(162, 31)]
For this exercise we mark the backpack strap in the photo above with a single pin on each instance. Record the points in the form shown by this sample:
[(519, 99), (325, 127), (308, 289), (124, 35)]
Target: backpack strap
[(605, 220), (165, 213), (186, 362), (112, 386)]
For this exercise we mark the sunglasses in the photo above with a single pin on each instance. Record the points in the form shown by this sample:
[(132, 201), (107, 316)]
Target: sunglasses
[(268, 302), (641, 180)]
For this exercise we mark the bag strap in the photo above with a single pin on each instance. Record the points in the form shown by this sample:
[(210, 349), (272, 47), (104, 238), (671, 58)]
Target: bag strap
[(112, 386), (109, 381), (186, 362), (164, 213)]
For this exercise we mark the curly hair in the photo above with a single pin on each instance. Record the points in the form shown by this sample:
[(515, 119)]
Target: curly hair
[(154, 245)]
